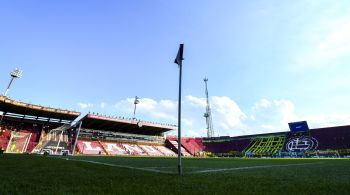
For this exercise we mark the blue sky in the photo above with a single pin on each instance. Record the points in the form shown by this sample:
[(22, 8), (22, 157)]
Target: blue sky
[(268, 63)]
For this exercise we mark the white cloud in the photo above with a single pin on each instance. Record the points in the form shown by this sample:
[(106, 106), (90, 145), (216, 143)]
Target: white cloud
[(125, 106), (85, 105), (103, 105), (168, 104), (269, 127), (228, 118), (196, 101), (149, 108), (227, 113), (145, 104), (163, 115), (264, 103), (187, 122), (273, 114), (328, 120), (191, 133)]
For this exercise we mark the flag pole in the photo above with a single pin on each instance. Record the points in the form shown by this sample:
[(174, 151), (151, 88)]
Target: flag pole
[(179, 122), (178, 61)]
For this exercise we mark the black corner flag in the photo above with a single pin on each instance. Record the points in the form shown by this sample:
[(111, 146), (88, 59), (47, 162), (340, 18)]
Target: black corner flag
[(179, 56), (178, 61)]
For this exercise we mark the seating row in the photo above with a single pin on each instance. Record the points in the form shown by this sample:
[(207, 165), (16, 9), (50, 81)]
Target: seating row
[(113, 148)]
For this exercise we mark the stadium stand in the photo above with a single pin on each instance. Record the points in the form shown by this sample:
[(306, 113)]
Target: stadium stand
[(173, 144), (134, 149), (114, 148), (192, 146), (265, 146), (24, 111), (226, 146), (18, 142), (120, 136), (332, 137), (5, 136), (90, 147), (33, 128), (20, 137), (151, 150), (165, 151), (334, 141), (23, 124), (56, 141)]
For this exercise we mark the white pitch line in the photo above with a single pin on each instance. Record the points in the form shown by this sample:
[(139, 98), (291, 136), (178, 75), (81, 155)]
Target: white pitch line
[(120, 166), (251, 167), (123, 166), (150, 169), (172, 167), (159, 167)]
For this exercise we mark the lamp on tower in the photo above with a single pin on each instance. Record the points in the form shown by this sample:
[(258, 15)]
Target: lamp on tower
[(136, 101), (17, 73)]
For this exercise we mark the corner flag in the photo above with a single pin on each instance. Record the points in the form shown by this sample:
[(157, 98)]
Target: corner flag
[(179, 56), (178, 60)]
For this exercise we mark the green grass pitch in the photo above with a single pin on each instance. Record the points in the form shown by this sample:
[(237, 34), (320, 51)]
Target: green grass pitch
[(32, 174)]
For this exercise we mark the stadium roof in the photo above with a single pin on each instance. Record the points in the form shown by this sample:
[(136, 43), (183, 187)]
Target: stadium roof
[(124, 125), (17, 109)]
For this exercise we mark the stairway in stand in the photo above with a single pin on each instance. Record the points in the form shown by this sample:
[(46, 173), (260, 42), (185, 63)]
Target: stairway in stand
[(104, 149), (184, 152)]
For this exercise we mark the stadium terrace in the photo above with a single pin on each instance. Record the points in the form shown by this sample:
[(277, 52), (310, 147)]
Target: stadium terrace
[(29, 128)]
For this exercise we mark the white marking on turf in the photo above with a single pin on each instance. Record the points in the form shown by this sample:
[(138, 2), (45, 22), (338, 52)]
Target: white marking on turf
[(173, 167), (208, 170), (251, 167), (120, 166)]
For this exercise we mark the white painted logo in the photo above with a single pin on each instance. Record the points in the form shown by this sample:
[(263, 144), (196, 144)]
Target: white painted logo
[(110, 147), (300, 144), (88, 147)]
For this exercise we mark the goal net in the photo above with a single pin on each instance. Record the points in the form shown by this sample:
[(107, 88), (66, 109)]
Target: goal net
[(18, 142), (55, 141)]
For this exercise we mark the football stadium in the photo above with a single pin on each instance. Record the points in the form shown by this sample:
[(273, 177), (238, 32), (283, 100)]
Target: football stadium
[(47, 150), (277, 120)]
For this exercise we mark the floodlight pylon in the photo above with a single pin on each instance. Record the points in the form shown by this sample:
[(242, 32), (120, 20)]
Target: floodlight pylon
[(207, 114), (136, 101), (17, 73)]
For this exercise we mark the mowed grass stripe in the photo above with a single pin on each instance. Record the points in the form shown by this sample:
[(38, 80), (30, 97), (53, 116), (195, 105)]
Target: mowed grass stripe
[(254, 167), (29, 174), (201, 169), (113, 165)]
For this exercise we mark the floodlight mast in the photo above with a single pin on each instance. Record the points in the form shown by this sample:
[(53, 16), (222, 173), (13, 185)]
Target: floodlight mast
[(136, 101), (17, 73), (207, 114)]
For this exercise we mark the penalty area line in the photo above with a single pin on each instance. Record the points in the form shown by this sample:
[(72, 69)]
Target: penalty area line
[(251, 167)]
